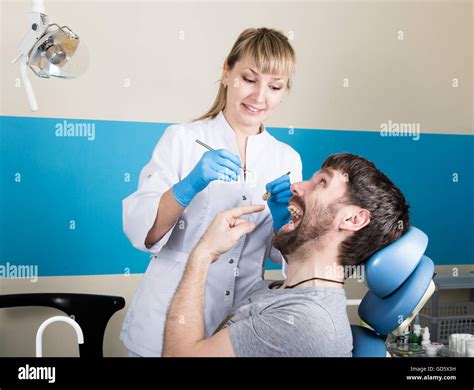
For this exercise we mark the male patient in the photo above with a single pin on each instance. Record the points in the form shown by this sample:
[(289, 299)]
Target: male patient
[(341, 216)]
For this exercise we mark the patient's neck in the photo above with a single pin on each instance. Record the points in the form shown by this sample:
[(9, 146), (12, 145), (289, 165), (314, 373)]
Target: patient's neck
[(309, 262)]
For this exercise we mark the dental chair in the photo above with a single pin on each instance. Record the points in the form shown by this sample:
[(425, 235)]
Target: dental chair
[(400, 281), (92, 313)]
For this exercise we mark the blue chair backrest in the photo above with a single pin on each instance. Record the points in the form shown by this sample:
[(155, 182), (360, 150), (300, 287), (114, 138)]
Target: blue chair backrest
[(400, 281)]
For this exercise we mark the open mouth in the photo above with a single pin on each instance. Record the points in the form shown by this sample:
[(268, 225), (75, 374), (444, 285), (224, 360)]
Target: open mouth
[(251, 110), (296, 217)]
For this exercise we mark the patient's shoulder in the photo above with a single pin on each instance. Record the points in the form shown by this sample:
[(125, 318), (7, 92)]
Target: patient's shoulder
[(307, 312), (325, 332)]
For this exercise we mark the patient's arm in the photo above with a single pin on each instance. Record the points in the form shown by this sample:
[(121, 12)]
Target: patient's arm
[(184, 330)]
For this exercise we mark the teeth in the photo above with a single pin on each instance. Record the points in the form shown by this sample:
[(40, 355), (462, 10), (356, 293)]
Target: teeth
[(294, 211), (252, 109)]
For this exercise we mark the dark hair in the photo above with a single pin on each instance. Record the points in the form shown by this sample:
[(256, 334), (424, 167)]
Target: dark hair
[(370, 189)]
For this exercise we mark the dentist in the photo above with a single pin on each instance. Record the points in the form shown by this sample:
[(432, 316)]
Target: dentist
[(184, 186)]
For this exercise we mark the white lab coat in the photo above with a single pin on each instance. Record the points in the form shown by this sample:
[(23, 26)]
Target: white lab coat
[(229, 278)]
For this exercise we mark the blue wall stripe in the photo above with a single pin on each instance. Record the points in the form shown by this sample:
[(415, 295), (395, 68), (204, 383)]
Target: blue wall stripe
[(71, 178)]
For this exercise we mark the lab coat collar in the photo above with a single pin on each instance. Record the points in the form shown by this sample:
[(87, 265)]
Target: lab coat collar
[(222, 124)]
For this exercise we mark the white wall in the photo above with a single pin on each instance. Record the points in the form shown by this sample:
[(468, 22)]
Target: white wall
[(174, 80)]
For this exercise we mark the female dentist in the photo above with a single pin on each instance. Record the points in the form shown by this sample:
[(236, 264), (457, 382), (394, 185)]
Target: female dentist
[(183, 186)]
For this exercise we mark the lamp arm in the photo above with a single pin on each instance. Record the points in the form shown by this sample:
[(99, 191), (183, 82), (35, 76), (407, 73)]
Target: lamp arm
[(38, 6), (25, 80)]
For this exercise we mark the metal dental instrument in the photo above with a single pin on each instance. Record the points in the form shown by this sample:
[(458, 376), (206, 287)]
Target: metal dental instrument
[(268, 194), (212, 150)]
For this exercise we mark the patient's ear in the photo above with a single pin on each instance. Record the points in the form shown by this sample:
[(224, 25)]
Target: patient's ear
[(354, 219)]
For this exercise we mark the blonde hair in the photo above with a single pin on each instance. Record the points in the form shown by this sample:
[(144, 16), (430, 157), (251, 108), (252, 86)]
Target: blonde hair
[(269, 50)]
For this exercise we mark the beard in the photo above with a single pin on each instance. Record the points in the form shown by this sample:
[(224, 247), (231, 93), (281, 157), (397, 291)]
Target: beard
[(314, 225)]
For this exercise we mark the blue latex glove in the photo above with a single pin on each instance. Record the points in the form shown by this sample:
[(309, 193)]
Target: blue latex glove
[(213, 165), (278, 202)]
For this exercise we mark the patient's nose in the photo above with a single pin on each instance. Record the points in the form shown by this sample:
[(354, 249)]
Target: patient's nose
[(298, 189)]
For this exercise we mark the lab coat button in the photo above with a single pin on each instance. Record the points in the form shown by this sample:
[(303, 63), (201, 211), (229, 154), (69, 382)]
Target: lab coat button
[(227, 292), (231, 261), (244, 197)]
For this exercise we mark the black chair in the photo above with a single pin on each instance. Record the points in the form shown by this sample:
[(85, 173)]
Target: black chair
[(92, 313)]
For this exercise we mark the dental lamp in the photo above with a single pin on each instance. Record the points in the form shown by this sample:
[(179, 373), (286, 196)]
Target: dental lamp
[(47, 49)]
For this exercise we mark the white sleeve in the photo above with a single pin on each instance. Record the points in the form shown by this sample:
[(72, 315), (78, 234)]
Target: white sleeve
[(159, 175), (296, 176)]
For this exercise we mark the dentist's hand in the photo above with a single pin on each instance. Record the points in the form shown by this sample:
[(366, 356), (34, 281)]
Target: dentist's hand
[(226, 229), (213, 165), (278, 202)]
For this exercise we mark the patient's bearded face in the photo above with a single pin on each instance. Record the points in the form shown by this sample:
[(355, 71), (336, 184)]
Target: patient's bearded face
[(314, 224), (315, 204)]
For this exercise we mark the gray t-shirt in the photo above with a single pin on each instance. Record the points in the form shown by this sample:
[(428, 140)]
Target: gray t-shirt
[(295, 322)]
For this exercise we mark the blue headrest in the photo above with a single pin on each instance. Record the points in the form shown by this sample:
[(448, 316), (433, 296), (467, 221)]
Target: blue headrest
[(366, 343), (387, 269), (386, 314)]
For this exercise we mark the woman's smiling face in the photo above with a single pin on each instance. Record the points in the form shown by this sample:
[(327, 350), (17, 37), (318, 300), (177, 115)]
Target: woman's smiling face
[(252, 96)]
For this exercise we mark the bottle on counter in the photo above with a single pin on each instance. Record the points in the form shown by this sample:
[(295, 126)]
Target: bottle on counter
[(425, 339), (416, 336)]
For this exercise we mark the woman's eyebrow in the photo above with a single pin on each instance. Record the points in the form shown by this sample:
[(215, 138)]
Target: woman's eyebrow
[(257, 74)]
